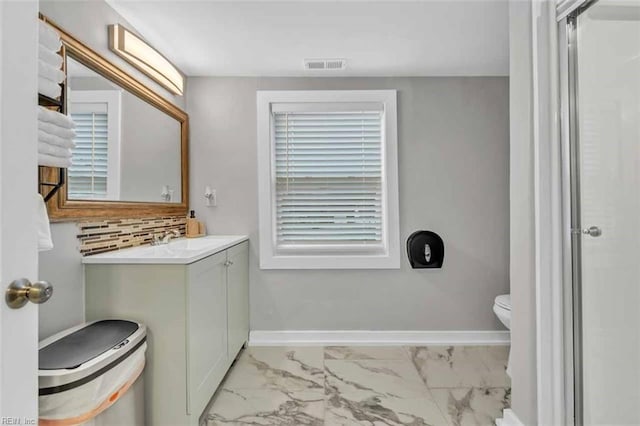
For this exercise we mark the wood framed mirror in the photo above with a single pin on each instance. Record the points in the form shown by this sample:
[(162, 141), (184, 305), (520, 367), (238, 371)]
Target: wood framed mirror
[(131, 154)]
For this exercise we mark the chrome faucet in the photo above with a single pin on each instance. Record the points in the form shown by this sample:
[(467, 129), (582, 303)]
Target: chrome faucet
[(170, 234), (165, 237)]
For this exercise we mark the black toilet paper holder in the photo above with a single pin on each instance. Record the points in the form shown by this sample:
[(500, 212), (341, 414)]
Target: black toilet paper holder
[(425, 249)]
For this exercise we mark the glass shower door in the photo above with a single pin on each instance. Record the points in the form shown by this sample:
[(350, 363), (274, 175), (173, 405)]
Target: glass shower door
[(606, 146)]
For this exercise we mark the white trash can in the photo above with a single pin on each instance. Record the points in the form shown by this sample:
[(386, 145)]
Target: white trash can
[(92, 375)]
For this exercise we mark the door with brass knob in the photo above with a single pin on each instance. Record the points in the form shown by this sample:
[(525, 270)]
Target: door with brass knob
[(22, 291), (18, 231)]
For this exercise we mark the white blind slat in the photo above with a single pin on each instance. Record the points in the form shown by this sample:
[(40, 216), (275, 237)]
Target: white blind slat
[(328, 168)]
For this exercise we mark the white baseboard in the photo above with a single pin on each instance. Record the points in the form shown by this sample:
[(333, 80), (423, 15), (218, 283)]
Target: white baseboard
[(375, 338), (509, 418)]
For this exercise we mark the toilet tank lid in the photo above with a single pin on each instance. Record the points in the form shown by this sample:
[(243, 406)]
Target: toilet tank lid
[(504, 301)]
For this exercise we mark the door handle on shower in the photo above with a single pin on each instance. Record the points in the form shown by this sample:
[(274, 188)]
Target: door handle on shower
[(592, 231)]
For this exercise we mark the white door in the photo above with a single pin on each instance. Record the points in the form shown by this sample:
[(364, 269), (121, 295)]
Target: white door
[(18, 184)]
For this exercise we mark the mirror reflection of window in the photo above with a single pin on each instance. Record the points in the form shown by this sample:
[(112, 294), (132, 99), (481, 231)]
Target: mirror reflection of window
[(126, 148), (95, 172)]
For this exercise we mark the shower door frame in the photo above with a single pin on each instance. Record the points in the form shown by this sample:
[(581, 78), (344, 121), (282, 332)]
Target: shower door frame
[(575, 289)]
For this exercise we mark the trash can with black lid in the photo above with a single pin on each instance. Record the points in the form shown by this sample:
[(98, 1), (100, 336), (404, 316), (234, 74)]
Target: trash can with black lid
[(92, 374)]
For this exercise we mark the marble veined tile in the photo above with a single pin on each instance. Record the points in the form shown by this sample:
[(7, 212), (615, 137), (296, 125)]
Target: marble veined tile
[(343, 410), (377, 392), (373, 378), (496, 359), (497, 356), (267, 407), (365, 352), (457, 367), (373, 386), (279, 368), (472, 406)]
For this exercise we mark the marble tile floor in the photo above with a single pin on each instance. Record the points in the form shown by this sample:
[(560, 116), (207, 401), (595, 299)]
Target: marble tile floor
[(342, 386)]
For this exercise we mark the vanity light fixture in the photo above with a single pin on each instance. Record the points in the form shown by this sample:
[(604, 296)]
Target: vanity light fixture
[(138, 53)]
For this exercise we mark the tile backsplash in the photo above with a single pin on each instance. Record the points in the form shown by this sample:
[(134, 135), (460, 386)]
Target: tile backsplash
[(115, 234)]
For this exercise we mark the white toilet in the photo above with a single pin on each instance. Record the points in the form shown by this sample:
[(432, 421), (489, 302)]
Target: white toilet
[(502, 308)]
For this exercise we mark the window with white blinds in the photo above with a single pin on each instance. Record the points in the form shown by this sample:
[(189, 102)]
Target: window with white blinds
[(95, 164), (328, 170), (87, 177), (328, 191)]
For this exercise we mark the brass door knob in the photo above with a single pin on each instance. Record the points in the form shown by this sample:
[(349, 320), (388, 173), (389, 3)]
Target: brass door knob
[(22, 291)]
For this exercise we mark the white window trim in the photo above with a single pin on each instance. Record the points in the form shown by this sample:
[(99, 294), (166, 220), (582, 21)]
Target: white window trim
[(389, 258), (113, 99)]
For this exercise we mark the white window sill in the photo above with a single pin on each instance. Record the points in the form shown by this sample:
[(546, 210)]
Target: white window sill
[(330, 262)]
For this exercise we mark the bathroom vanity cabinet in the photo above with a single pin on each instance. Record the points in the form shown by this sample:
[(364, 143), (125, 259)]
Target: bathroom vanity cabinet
[(197, 316)]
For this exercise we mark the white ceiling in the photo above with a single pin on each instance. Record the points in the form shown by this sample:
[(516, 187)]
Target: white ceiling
[(377, 38)]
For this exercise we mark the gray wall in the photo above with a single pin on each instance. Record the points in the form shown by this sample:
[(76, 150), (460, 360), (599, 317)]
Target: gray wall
[(61, 266), (454, 179), (523, 314), (87, 21), (149, 152)]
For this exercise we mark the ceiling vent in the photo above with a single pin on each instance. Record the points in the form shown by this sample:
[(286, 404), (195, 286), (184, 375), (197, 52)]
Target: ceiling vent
[(324, 64)]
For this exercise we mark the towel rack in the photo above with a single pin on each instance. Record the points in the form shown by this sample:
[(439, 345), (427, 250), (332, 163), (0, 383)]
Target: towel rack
[(60, 104), (44, 100), (55, 186)]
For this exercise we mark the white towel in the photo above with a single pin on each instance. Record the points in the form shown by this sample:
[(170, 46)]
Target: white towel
[(49, 88), (55, 117), (48, 37), (52, 129), (42, 223), (53, 150), (49, 72), (49, 57), (54, 140), (51, 161)]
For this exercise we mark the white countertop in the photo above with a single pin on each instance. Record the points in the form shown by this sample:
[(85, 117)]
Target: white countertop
[(180, 251)]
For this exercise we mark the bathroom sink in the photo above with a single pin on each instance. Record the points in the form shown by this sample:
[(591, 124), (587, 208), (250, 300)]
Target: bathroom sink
[(180, 251), (198, 243)]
